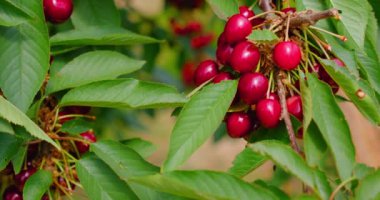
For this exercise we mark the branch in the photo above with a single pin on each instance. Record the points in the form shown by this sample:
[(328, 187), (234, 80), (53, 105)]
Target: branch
[(265, 5), (310, 17)]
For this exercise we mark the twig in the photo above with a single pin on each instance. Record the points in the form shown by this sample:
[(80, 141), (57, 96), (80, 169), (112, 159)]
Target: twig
[(310, 17)]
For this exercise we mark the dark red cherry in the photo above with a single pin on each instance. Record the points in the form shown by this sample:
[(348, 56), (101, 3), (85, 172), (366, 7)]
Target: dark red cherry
[(201, 41), (23, 176), (12, 193), (188, 71), (274, 96), (238, 124), (245, 57), (224, 76), (300, 133), (246, 12), (257, 21), (205, 71), (323, 75), (84, 147), (223, 53), (287, 55), (252, 87), (193, 27), (289, 10), (237, 28), (58, 11), (268, 112), (222, 39), (294, 105)]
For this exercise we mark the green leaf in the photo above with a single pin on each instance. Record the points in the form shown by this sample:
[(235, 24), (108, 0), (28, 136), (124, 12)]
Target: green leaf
[(11, 14), (198, 120), (279, 193), (36, 186), (361, 170), (91, 67), (10, 113), (100, 36), (76, 126), (142, 147), (314, 145), (6, 127), (369, 187), (246, 162), (204, 185), (224, 9), (264, 35), (24, 58), (371, 38), (146, 193), (371, 69), (306, 104), (367, 105), (100, 182), (124, 93), (9, 145), (333, 126), (19, 158), (124, 161), (100, 13)]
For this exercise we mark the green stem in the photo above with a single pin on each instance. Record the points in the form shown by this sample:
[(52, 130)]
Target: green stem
[(340, 186)]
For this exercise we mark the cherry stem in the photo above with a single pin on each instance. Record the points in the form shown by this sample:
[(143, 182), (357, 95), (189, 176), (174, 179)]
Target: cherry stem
[(70, 139), (341, 37), (320, 44), (198, 88), (340, 186), (76, 115), (265, 13), (287, 28)]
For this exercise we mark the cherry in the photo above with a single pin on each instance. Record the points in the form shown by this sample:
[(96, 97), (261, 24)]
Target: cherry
[(268, 112), (246, 12), (188, 71), (12, 193), (222, 39), (237, 28), (245, 57), (257, 21), (300, 133), (58, 11), (205, 71), (294, 105), (252, 87), (84, 147), (201, 41), (327, 78), (238, 124), (273, 96), (193, 27), (224, 76), (223, 53), (289, 10), (23, 176), (287, 55)]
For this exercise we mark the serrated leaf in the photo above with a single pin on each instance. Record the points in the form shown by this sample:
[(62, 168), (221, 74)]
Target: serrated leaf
[(6, 127), (367, 105), (245, 162), (92, 67), (198, 120), (124, 93), (37, 184), (76, 126), (100, 13), (204, 185), (9, 145), (314, 146), (24, 58), (224, 9), (11, 14), (142, 147), (100, 182), (100, 36), (264, 35), (371, 69), (333, 126), (368, 188)]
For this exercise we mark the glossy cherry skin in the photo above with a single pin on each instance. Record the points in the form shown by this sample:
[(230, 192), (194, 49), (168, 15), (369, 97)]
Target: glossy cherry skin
[(245, 57), (294, 105), (205, 71), (223, 76), (287, 55), (23, 176), (222, 39), (238, 124), (188, 71), (83, 147), (246, 12), (237, 28), (12, 193), (252, 87), (58, 11), (223, 53), (201, 41), (273, 96), (268, 112)]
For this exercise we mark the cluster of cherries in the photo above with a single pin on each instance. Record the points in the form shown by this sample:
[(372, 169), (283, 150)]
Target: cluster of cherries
[(249, 62), (192, 29)]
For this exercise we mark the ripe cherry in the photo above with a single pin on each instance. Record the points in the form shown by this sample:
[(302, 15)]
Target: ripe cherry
[(222, 39), (268, 112), (224, 76), (58, 11), (23, 176), (294, 105), (287, 55), (273, 96), (201, 41), (246, 12), (245, 57), (84, 147), (205, 71), (223, 53), (12, 193), (238, 124), (188, 71), (237, 28), (252, 87)]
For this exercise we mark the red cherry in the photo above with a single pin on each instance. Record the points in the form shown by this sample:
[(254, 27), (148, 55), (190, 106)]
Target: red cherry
[(58, 11), (323, 75), (237, 28), (289, 10), (23, 176), (188, 71), (273, 96), (205, 71), (287, 55), (222, 39), (294, 105), (224, 76), (201, 41), (268, 112), (246, 12), (238, 124), (89, 136), (252, 87), (12, 193), (300, 133), (245, 57), (223, 53), (193, 27), (257, 21)]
